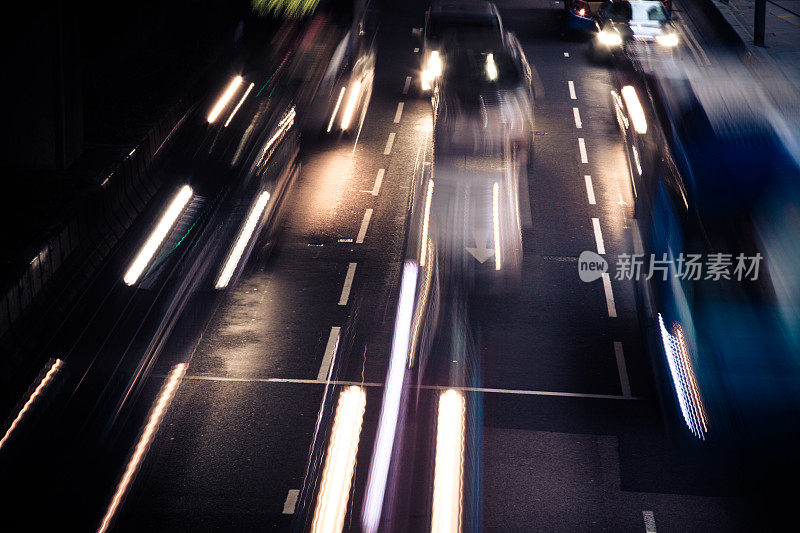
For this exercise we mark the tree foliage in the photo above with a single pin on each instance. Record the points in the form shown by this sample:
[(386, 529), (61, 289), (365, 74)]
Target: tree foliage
[(285, 8)]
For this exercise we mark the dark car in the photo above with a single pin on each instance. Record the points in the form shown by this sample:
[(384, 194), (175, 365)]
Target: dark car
[(623, 24)]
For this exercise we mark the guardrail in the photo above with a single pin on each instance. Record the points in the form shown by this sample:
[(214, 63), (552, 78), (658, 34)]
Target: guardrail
[(103, 217)]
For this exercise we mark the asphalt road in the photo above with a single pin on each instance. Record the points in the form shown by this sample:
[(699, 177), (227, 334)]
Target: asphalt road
[(566, 432)]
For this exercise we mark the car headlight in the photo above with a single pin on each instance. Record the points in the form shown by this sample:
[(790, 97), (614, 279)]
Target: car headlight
[(610, 38), (435, 64), (667, 39)]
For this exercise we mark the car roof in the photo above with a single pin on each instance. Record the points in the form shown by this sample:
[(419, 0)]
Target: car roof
[(470, 7)]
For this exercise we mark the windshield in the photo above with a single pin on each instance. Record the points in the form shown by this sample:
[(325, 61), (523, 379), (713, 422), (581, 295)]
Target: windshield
[(471, 68), (617, 11), (648, 12)]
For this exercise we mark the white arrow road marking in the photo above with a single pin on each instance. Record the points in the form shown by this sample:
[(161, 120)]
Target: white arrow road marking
[(481, 252)]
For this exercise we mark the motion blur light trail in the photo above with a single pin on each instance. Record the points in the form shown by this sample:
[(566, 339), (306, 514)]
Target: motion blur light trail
[(496, 224), (449, 467), (390, 409), (334, 490), (226, 97), (241, 101), (242, 239), (352, 100), (54, 369), (336, 108), (156, 416), (634, 109), (158, 235), (683, 379)]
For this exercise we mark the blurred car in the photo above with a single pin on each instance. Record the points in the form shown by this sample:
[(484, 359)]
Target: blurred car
[(728, 340), (483, 130), (452, 23), (484, 95), (580, 14), (625, 24)]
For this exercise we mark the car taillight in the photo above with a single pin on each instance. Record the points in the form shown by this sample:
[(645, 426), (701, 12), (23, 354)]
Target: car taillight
[(581, 8)]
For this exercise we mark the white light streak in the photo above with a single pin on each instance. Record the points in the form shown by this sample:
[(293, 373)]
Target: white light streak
[(336, 108), (230, 90), (156, 415), (449, 466), (683, 379), (253, 218), (235, 109), (159, 234), (428, 197), (390, 408), (352, 100), (496, 224), (54, 369), (334, 489), (634, 109)]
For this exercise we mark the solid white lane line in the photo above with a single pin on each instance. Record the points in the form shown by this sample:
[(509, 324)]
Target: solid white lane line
[(378, 180), (572, 94), (582, 148), (389, 143), (398, 113), (612, 309), (577, 115), (330, 351), (407, 85), (622, 369), (348, 283), (566, 54), (589, 189), (598, 236), (522, 392), (362, 232), (649, 522), (291, 501)]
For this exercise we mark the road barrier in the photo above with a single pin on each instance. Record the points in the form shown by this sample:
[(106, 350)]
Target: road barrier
[(102, 218)]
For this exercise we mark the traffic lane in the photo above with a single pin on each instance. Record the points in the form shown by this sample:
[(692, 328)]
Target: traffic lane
[(224, 458), (556, 481), (314, 203)]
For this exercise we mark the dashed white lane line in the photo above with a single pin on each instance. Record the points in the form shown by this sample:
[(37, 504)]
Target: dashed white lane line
[(566, 54), (407, 85), (362, 232), (649, 522), (582, 148), (589, 189), (416, 50), (348, 283), (622, 369), (612, 309), (598, 236), (378, 180), (398, 113), (577, 115), (291, 501), (330, 351), (572, 94), (389, 143)]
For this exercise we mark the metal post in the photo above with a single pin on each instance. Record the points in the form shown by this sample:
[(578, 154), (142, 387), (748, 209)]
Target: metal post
[(759, 22)]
